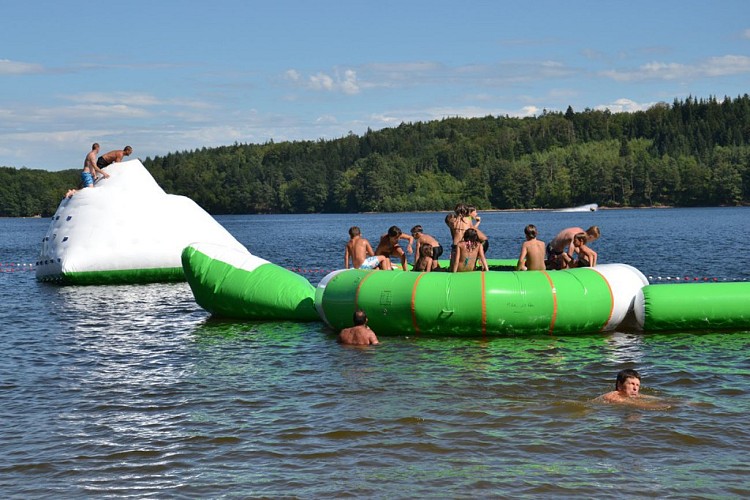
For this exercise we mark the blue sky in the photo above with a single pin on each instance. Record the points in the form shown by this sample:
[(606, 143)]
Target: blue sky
[(165, 76)]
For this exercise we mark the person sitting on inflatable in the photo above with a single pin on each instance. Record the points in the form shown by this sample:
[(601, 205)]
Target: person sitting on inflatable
[(467, 253)]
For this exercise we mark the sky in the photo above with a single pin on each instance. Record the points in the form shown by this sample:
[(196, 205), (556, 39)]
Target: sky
[(165, 76)]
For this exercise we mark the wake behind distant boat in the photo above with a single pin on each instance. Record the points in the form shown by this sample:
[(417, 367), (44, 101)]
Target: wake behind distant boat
[(591, 207)]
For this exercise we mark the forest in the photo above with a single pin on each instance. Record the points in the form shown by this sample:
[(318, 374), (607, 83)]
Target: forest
[(693, 152)]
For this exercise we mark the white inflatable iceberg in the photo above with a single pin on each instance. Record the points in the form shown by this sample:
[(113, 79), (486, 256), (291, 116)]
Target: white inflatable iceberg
[(126, 229)]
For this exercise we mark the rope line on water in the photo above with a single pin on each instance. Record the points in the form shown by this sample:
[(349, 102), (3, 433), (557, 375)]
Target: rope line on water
[(309, 271), (12, 267), (692, 279)]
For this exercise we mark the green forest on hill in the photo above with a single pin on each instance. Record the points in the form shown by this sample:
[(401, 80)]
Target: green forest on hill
[(694, 152)]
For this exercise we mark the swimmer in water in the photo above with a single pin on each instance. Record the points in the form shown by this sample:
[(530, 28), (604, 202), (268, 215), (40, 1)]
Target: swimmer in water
[(628, 391)]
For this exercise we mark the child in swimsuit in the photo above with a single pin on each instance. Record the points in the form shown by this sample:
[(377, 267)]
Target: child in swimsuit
[(467, 253), (425, 240), (359, 251), (424, 263), (586, 256), (389, 246)]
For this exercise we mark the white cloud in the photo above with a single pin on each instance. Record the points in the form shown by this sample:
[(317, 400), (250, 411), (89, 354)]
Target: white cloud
[(120, 98), (414, 74), (394, 118), (345, 82), (624, 105), (746, 34), (711, 67), (326, 120), (8, 67), (349, 84), (321, 81), (292, 74)]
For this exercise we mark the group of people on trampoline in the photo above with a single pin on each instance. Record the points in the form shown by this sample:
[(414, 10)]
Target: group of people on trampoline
[(468, 248)]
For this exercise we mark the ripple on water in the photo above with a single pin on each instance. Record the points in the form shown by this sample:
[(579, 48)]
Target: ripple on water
[(135, 391)]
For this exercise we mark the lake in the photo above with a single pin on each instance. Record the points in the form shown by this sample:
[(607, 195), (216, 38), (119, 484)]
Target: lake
[(134, 391)]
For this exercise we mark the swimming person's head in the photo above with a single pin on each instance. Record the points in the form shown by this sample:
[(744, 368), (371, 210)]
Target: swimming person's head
[(623, 376), (359, 318)]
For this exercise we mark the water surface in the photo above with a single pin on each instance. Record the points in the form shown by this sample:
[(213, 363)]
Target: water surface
[(133, 391)]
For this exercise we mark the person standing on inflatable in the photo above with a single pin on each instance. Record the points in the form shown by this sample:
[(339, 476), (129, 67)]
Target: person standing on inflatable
[(115, 156), (90, 170)]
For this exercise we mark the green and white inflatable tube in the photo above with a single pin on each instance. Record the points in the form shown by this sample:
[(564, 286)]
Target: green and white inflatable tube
[(233, 283), (482, 303), (694, 306), (126, 229)]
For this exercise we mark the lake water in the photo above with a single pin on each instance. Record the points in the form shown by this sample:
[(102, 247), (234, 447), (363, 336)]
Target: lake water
[(133, 391)]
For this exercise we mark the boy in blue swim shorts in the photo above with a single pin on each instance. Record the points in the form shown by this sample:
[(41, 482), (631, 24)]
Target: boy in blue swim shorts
[(88, 174), (359, 251)]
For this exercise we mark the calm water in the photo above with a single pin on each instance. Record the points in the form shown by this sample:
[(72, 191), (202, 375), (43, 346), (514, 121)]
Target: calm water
[(133, 391)]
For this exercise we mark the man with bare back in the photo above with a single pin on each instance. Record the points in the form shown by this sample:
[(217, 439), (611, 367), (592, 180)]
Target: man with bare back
[(115, 156), (359, 251), (360, 333), (90, 170), (560, 249)]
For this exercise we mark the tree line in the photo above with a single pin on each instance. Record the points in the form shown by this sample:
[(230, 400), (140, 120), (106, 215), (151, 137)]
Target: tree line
[(694, 152)]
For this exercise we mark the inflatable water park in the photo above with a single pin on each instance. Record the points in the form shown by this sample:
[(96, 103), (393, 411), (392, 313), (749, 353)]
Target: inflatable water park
[(128, 230), (125, 229)]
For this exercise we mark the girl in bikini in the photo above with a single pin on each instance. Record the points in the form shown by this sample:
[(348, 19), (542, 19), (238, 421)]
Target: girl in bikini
[(467, 253)]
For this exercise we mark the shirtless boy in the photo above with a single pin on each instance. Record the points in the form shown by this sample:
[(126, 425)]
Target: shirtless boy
[(115, 156), (360, 252), (560, 249), (360, 333), (90, 170), (586, 256), (425, 240), (467, 252), (532, 252), (389, 245)]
